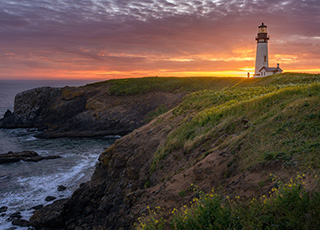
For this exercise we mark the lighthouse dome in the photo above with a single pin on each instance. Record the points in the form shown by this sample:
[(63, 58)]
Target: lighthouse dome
[(262, 28), (262, 25)]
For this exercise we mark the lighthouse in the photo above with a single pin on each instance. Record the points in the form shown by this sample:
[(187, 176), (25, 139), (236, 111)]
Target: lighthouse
[(262, 68)]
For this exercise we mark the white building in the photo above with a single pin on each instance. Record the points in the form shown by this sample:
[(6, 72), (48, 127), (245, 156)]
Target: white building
[(262, 68)]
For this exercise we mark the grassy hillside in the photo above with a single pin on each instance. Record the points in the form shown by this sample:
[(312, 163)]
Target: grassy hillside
[(273, 117), (260, 125), (135, 86)]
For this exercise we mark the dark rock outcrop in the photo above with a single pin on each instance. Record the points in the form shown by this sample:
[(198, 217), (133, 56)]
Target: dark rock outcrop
[(84, 111), (14, 216), (49, 217), (31, 108), (108, 200), (21, 223), (61, 188), (3, 209), (32, 156), (50, 198), (123, 184), (12, 228), (8, 113), (37, 207)]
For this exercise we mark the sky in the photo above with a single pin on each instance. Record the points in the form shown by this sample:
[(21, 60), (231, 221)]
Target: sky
[(102, 39)]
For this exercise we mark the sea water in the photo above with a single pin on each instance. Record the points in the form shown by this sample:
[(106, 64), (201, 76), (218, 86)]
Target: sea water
[(24, 185)]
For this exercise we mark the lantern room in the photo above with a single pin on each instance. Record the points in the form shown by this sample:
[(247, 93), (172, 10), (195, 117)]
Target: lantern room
[(262, 34), (262, 28)]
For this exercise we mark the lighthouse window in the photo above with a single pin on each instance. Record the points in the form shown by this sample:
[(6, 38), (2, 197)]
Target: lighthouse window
[(265, 58)]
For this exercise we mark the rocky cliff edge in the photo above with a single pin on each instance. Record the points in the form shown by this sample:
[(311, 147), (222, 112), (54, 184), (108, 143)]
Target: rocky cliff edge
[(85, 111), (214, 139)]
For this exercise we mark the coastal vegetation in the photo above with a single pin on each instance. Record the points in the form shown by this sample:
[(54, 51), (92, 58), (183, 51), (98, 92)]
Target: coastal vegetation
[(135, 86), (268, 123), (273, 116), (196, 153), (287, 206)]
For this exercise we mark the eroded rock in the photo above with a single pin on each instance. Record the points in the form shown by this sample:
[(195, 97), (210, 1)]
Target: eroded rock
[(21, 222), (3, 209), (32, 156), (84, 111), (50, 198), (50, 217), (37, 207), (61, 188)]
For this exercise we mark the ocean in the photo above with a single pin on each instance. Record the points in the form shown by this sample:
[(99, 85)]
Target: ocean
[(24, 185)]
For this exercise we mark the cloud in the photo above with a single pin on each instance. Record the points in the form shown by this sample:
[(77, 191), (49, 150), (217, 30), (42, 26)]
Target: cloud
[(11, 20), (150, 35)]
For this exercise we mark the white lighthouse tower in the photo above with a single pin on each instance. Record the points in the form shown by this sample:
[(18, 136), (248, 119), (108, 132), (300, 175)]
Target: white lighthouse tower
[(262, 49), (262, 68)]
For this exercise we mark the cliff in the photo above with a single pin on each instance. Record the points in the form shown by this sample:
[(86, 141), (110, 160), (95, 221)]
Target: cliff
[(231, 138), (114, 107)]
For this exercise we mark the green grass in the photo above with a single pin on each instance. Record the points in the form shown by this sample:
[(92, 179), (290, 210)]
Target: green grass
[(157, 112), (259, 121), (287, 79), (287, 206), (135, 86), (283, 121)]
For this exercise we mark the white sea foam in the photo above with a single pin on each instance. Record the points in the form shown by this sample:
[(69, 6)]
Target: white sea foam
[(31, 138), (113, 136), (19, 181), (24, 185), (34, 189)]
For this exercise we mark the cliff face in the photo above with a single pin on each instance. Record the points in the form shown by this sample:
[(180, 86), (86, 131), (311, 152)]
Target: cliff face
[(117, 192), (123, 186), (84, 111), (29, 107), (231, 139)]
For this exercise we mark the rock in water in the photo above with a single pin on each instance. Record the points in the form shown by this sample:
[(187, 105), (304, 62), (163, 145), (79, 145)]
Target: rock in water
[(37, 207), (49, 216), (14, 216), (50, 198), (61, 188), (12, 157), (8, 113), (3, 209), (21, 222)]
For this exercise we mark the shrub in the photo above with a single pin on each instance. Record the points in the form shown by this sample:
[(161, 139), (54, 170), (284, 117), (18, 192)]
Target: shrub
[(287, 206)]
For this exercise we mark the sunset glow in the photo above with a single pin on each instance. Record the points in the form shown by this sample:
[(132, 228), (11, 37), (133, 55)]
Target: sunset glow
[(104, 39)]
